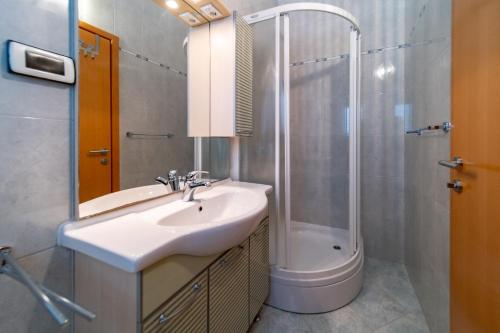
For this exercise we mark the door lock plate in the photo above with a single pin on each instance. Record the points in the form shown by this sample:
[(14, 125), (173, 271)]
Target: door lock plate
[(456, 185)]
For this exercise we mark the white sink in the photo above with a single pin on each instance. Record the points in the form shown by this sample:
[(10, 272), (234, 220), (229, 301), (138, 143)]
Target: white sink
[(216, 210), (138, 236)]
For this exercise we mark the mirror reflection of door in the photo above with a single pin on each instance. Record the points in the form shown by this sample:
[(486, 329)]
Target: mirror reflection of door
[(98, 113)]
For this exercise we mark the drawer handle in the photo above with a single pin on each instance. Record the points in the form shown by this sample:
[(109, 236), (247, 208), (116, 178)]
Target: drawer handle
[(163, 318), (224, 262)]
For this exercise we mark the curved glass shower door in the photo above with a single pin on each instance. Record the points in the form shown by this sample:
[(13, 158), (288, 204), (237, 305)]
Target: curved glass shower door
[(318, 141), (320, 121), (309, 65)]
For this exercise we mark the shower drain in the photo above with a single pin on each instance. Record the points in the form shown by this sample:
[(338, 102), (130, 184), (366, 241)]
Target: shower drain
[(337, 247)]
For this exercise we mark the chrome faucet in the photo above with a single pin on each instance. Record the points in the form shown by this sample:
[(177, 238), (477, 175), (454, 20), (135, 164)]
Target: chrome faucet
[(173, 180), (192, 184)]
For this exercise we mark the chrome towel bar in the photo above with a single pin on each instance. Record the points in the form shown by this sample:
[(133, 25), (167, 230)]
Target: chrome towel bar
[(131, 135), (445, 127), (10, 267)]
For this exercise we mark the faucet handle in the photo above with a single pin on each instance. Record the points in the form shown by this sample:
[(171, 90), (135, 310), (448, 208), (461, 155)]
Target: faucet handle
[(192, 175), (172, 174)]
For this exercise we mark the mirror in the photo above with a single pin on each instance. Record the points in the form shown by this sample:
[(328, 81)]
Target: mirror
[(132, 103)]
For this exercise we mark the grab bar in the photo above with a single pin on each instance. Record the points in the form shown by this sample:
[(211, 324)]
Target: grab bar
[(132, 135), (45, 296), (445, 127)]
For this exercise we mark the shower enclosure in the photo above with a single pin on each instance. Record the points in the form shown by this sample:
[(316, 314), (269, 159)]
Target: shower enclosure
[(306, 144)]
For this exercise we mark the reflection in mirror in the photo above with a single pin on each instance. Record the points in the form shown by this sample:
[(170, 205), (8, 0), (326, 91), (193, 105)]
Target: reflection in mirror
[(132, 102)]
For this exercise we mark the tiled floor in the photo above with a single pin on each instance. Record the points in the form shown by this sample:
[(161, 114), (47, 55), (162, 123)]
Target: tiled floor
[(386, 304)]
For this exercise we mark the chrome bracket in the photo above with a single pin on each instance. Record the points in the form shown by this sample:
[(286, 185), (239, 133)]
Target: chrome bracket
[(445, 127), (4, 250), (46, 297), (90, 50)]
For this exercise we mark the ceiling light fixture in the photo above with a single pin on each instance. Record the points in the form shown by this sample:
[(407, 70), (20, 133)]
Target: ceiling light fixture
[(189, 18), (172, 4)]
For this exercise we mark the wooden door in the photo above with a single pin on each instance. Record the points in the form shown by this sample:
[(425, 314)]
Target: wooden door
[(98, 123), (475, 212)]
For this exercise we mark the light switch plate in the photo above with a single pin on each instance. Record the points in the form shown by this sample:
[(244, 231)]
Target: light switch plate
[(32, 61)]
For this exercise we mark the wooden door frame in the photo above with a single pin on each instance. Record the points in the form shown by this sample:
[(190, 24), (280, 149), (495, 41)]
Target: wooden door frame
[(115, 101)]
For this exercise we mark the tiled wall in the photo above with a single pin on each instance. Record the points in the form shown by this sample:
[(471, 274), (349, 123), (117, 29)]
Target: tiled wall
[(34, 168), (153, 99), (427, 198)]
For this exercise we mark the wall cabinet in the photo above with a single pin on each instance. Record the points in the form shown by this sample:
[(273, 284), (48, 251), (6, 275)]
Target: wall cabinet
[(220, 79), (220, 293)]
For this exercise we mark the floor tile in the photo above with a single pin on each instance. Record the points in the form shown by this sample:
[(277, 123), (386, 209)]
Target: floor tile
[(386, 304)]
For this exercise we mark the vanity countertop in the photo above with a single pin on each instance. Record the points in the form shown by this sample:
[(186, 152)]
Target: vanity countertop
[(138, 236)]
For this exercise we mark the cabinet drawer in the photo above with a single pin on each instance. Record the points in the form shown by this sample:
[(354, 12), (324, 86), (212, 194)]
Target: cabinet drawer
[(186, 311), (228, 299), (163, 279), (259, 268)]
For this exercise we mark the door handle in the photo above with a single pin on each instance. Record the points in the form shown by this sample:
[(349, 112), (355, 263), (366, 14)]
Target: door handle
[(456, 185), (102, 152), (456, 163)]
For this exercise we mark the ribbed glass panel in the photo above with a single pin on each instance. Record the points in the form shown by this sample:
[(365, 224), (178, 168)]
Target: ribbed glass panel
[(244, 78)]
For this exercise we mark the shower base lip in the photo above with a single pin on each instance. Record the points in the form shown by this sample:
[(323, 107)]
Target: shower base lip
[(319, 278), (317, 291)]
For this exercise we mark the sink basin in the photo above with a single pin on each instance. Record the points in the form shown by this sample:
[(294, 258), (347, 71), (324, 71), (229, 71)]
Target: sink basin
[(216, 210), (220, 218)]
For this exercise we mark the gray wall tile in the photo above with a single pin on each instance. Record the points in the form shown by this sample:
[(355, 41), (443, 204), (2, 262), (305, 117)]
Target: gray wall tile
[(34, 187), (21, 313), (98, 12), (426, 197), (129, 23), (34, 150), (44, 23)]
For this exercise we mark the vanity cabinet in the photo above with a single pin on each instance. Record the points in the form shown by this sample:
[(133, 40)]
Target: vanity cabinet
[(220, 293), (229, 291), (259, 270), (186, 311)]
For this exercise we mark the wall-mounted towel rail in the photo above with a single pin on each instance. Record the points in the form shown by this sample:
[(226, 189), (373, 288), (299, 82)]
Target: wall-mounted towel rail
[(133, 135), (45, 296), (445, 127)]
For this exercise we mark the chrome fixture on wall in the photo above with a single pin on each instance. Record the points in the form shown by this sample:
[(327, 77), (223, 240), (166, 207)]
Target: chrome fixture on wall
[(45, 296), (132, 135), (445, 127), (88, 49)]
